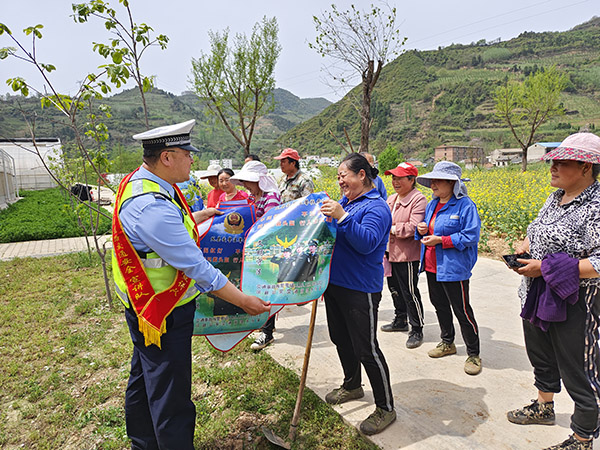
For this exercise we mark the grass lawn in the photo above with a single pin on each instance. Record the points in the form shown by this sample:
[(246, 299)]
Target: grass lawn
[(65, 364), (46, 214)]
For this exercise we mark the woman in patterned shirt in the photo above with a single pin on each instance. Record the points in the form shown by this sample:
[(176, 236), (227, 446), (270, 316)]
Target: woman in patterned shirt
[(561, 325)]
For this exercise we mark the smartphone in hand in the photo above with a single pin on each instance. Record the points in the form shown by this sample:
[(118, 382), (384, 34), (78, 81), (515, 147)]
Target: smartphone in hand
[(511, 260)]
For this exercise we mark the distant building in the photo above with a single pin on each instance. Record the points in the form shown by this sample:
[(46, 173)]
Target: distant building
[(30, 172), (505, 156), (460, 153), (224, 163), (415, 162), (539, 149), (9, 193)]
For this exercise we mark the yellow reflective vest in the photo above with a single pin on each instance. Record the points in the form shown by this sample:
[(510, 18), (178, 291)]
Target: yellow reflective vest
[(160, 274)]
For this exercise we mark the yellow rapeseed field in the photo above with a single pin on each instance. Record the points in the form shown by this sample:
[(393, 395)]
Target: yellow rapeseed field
[(507, 199)]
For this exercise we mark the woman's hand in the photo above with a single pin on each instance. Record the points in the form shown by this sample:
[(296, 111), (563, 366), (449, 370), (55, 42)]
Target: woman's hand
[(422, 228), (431, 241), (532, 268), (523, 247), (332, 208)]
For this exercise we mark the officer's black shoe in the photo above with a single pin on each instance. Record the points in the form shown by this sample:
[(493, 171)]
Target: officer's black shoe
[(398, 324)]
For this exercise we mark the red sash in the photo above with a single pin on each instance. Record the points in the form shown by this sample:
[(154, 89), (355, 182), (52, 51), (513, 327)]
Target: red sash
[(151, 307)]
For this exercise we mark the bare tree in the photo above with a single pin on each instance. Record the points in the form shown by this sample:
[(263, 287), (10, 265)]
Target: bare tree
[(363, 41), (524, 106), (237, 83)]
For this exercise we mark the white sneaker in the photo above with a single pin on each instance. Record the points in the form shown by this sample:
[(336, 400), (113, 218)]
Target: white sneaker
[(262, 341)]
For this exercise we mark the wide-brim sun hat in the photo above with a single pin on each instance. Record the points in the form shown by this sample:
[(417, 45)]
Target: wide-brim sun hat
[(211, 171), (445, 170), (584, 147), (257, 172)]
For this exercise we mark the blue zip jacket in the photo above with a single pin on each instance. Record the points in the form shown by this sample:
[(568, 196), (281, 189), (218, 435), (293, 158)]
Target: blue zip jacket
[(459, 220), (357, 261)]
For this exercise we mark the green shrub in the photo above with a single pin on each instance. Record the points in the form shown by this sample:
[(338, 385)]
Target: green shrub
[(45, 214)]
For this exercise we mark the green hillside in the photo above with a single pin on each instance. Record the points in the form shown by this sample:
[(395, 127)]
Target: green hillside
[(165, 108), (428, 98)]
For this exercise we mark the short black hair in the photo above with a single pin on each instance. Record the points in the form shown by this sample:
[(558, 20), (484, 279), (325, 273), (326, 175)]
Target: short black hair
[(151, 156), (252, 157), (226, 170), (296, 162)]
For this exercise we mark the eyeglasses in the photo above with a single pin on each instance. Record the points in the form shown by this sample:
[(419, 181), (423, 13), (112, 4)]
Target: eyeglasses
[(188, 154)]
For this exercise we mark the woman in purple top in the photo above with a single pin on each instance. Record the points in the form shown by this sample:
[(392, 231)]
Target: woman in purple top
[(265, 195), (567, 227)]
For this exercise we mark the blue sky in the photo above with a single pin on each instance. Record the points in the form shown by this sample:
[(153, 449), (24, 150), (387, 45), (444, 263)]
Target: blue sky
[(426, 24)]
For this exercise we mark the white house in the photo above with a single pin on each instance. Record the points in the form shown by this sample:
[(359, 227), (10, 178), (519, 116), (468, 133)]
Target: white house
[(539, 149)]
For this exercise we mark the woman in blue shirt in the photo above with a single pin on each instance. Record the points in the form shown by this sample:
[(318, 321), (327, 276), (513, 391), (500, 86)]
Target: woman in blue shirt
[(449, 235), (354, 291)]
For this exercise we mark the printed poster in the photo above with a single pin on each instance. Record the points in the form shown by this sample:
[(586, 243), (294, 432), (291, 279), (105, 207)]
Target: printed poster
[(288, 251)]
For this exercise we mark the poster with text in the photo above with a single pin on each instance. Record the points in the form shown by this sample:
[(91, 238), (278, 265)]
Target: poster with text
[(222, 242), (287, 253)]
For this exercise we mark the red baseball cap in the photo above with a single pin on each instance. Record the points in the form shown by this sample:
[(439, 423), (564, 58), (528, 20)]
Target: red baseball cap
[(289, 153), (403, 170)]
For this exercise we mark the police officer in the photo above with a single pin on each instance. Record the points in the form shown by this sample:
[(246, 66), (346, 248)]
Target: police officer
[(159, 270)]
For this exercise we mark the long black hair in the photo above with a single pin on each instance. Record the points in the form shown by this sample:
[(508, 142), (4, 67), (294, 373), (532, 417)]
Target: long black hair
[(357, 162)]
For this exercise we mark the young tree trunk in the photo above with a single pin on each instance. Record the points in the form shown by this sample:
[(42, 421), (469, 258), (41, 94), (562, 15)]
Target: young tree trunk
[(524, 161), (365, 110)]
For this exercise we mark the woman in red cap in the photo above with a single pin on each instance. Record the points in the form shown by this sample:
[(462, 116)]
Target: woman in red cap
[(408, 209), (560, 293)]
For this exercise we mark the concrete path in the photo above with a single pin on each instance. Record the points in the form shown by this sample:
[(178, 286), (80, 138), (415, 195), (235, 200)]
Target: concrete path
[(52, 247), (439, 407)]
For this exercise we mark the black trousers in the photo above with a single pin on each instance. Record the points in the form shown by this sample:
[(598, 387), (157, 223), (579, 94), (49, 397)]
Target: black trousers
[(453, 296), (352, 323), (159, 411), (269, 326), (403, 285), (568, 351)]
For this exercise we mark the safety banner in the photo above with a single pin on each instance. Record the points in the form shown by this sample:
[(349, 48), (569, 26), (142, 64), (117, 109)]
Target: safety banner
[(283, 258), (288, 251), (222, 242)]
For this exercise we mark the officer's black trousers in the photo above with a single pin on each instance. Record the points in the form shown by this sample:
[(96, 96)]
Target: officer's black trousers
[(159, 412)]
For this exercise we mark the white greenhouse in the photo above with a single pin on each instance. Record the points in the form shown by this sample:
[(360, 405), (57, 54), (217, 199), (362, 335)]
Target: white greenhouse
[(21, 168)]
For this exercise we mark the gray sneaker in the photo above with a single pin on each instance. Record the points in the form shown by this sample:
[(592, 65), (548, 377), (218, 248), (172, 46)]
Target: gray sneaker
[(573, 444), (378, 421), (473, 365), (536, 413), (415, 339), (342, 395), (442, 349), (398, 324)]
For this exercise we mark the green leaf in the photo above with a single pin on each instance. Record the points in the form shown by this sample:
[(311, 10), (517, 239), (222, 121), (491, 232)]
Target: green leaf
[(4, 28)]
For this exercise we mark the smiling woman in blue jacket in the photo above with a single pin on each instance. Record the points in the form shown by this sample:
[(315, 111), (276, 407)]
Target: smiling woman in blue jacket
[(354, 291), (449, 234)]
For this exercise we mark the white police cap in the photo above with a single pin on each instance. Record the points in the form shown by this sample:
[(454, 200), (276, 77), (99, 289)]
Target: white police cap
[(177, 135)]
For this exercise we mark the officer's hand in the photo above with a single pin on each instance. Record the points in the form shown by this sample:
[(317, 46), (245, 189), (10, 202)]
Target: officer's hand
[(201, 216), (255, 306)]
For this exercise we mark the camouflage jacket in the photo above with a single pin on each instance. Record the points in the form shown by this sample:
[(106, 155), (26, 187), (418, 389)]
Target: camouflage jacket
[(300, 185)]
